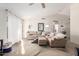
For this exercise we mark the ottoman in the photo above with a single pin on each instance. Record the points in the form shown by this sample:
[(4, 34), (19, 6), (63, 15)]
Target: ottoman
[(42, 41)]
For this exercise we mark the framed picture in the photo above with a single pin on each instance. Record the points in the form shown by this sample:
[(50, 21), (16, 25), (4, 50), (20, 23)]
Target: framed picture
[(40, 26)]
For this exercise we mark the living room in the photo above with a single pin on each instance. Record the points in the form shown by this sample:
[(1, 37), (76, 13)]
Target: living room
[(37, 29)]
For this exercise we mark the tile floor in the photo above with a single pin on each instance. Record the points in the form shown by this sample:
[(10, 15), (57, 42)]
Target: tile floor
[(27, 48)]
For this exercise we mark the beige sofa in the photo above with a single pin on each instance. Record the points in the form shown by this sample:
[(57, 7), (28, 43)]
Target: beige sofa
[(42, 40), (58, 40), (32, 35), (58, 43), (53, 42)]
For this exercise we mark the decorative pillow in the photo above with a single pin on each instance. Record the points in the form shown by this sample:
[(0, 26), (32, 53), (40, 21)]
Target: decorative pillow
[(35, 41), (43, 33), (51, 34), (59, 36)]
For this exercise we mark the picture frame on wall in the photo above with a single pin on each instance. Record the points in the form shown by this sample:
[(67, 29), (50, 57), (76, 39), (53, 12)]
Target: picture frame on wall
[(40, 26)]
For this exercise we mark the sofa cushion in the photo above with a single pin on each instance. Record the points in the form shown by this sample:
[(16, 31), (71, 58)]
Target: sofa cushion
[(32, 35), (59, 36), (51, 34)]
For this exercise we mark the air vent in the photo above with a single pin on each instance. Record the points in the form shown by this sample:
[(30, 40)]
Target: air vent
[(43, 5), (43, 18), (30, 4)]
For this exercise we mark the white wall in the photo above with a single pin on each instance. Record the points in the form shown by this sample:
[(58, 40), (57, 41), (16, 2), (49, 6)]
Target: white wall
[(14, 28), (14, 32), (63, 20), (74, 16), (33, 21), (34, 24), (3, 25)]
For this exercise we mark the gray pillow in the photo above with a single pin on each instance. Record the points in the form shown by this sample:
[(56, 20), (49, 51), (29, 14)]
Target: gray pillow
[(35, 41)]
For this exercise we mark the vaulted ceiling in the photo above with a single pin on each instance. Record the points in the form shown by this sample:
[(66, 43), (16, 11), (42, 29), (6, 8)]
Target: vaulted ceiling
[(25, 10)]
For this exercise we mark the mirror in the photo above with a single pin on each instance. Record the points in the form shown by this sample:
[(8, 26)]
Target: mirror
[(41, 27)]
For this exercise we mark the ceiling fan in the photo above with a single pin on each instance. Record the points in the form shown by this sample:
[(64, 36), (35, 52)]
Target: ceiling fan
[(42, 4)]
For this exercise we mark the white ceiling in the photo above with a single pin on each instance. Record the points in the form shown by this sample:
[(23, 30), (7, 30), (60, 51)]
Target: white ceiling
[(24, 10)]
